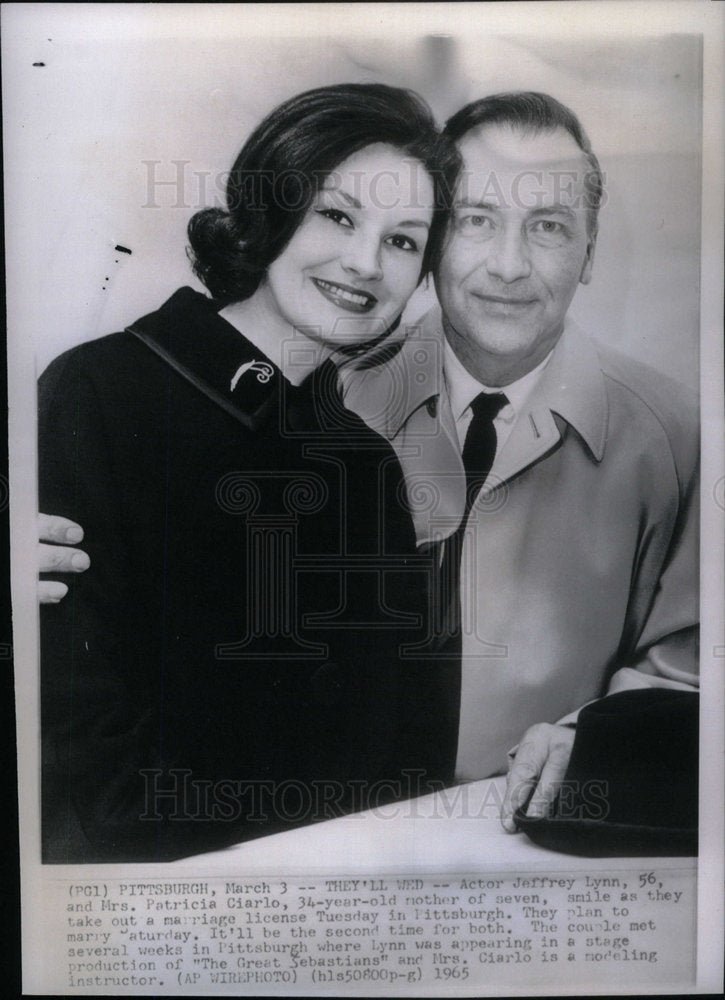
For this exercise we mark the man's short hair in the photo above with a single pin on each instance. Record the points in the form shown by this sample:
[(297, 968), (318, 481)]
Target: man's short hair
[(529, 111)]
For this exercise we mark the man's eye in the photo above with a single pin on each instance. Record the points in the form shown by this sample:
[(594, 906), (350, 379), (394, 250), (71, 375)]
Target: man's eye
[(335, 215), (549, 233), (403, 242), (548, 227), (474, 222)]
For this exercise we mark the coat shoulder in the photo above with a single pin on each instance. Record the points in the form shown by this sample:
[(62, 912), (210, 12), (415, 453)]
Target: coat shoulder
[(646, 392), (112, 358), (104, 358)]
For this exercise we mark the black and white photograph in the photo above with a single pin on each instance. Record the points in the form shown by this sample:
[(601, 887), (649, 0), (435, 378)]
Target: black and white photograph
[(366, 496)]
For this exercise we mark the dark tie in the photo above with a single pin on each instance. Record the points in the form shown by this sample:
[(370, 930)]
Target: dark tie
[(479, 448), (479, 451)]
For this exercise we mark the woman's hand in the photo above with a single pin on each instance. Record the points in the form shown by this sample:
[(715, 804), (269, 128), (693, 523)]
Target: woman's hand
[(56, 556)]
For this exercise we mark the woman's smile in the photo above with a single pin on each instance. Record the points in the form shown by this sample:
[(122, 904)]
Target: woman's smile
[(352, 299), (349, 269)]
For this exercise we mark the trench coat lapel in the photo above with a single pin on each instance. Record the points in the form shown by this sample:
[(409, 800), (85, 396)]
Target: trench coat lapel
[(571, 392)]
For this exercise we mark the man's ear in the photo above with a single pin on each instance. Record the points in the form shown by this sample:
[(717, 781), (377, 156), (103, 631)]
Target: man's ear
[(586, 272)]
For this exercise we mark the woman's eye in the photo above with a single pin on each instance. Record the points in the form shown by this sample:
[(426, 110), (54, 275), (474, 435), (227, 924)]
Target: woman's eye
[(335, 215), (403, 242)]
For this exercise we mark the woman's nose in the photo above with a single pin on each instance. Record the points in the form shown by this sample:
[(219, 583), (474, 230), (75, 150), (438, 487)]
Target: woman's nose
[(362, 257)]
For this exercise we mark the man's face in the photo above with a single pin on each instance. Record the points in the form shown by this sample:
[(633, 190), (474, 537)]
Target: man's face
[(517, 247)]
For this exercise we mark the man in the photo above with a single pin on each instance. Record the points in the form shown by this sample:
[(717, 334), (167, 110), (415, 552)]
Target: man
[(568, 514), (579, 572)]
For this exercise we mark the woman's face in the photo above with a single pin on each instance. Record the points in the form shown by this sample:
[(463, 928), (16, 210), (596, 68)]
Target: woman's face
[(356, 258)]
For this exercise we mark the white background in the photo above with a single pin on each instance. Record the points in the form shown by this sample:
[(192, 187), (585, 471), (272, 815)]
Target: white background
[(119, 88)]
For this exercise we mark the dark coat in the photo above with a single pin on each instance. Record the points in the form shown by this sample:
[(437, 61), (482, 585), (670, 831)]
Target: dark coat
[(229, 666)]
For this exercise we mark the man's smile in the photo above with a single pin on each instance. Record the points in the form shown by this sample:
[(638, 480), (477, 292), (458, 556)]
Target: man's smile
[(345, 296), (503, 302)]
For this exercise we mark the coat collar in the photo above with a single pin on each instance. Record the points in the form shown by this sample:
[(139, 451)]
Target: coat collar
[(188, 331), (386, 396), (571, 386)]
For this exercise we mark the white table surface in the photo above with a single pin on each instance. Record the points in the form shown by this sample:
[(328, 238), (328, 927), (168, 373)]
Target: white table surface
[(456, 830)]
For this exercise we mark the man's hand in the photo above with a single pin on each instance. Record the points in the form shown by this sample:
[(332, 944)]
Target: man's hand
[(58, 557), (539, 767)]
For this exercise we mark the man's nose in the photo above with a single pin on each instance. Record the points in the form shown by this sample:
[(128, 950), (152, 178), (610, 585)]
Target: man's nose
[(362, 257), (508, 257)]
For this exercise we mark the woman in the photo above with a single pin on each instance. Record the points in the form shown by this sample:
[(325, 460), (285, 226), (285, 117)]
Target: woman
[(231, 664)]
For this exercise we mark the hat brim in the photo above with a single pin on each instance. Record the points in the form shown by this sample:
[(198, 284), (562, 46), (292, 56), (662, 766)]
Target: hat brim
[(600, 839)]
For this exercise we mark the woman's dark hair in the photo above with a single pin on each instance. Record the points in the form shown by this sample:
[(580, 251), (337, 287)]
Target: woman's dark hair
[(284, 163)]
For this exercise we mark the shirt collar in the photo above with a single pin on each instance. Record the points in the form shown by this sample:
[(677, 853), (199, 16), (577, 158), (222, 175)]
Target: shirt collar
[(463, 387)]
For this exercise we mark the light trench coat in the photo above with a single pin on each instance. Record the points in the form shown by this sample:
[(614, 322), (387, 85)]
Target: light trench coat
[(579, 576)]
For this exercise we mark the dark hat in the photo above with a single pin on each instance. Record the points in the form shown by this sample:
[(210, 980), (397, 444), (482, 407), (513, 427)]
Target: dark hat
[(630, 788)]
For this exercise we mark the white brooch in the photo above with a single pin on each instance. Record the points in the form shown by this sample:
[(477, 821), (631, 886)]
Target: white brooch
[(264, 372)]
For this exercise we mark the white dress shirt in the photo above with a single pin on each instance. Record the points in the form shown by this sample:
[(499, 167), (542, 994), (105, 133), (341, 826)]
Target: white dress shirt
[(463, 389)]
